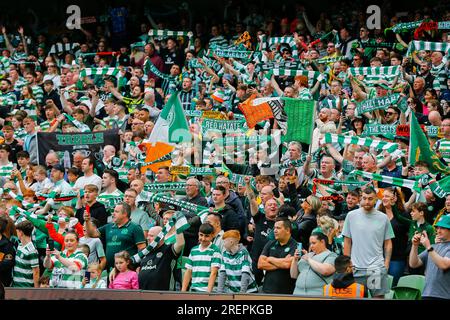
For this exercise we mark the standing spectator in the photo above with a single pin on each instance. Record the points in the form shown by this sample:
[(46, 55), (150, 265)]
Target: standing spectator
[(138, 216), (68, 266), (203, 263), (7, 254), (156, 268), (30, 141), (436, 260), (215, 220), (314, 269), (26, 268), (96, 209), (229, 217), (276, 259), (89, 177), (235, 275), (121, 276), (368, 235), (121, 234)]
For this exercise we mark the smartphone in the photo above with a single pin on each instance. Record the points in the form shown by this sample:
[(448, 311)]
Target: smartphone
[(299, 248), (51, 244), (87, 275), (404, 163)]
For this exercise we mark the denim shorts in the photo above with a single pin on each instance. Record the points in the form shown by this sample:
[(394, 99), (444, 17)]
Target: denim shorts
[(375, 280)]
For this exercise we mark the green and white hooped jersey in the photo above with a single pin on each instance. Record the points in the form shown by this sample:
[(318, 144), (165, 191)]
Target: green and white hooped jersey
[(63, 277), (26, 260), (201, 262)]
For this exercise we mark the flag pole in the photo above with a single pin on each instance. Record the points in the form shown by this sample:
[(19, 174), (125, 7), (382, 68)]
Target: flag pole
[(312, 127)]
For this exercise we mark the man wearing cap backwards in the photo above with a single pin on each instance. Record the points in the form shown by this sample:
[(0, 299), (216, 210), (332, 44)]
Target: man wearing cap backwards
[(436, 260)]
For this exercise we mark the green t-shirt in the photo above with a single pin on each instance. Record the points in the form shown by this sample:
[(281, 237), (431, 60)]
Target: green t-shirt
[(124, 238)]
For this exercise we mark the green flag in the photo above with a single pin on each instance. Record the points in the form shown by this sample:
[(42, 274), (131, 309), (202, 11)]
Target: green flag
[(171, 126), (300, 119), (420, 149)]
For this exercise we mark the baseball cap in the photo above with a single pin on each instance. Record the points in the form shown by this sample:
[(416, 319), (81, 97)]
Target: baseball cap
[(444, 222), (59, 167)]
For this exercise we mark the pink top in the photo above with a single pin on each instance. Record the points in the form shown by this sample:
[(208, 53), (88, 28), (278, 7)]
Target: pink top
[(125, 281)]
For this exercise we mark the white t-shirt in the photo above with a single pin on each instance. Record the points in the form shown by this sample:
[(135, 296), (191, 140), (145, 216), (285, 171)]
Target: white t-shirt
[(83, 181)]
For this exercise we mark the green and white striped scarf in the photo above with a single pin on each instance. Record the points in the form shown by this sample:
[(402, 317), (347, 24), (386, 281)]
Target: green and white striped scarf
[(371, 143), (59, 47), (312, 75), (374, 71), (26, 102), (242, 140), (99, 72), (164, 34), (429, 46), (399, 182), (279, 40)]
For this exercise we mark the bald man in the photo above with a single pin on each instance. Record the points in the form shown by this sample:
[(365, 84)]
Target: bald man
[(156, 269), (435, 119)]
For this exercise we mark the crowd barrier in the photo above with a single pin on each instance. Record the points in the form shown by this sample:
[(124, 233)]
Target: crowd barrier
[(99, 294)]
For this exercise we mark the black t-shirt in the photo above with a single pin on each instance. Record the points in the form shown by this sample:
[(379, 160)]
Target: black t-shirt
[(263, 227), (279, 281), (170, 58), (400, 241), (98, 212), (157, 269), (15, 148), (7, 258)]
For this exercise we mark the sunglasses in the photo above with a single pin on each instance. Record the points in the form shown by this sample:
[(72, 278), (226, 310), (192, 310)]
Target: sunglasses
[(390, 113)]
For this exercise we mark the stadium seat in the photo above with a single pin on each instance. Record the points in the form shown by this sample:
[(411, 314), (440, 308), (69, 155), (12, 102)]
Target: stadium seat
[(405, 293), (412, 281), (390, 281)]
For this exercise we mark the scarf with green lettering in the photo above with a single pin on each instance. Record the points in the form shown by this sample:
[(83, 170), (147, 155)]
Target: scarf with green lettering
[(371, 143), (229, 52), (382, 103), (150, 67), (167, 186), (399, 182), (405, 26), (184, 205), (202, 171)]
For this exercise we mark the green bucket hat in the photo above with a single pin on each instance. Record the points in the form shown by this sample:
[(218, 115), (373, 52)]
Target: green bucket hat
[(444, 222)]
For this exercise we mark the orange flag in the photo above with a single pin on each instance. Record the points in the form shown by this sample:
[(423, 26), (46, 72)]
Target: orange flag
[(254, 114), (158, 155)]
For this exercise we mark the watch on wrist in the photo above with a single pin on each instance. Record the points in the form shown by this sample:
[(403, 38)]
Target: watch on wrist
[(430, 249)]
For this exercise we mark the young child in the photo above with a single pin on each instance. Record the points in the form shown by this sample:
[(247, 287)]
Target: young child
[(121, 277), (43, 184), (26, 269), (235, 275), (203, 263), (417, 224), (96, 281)]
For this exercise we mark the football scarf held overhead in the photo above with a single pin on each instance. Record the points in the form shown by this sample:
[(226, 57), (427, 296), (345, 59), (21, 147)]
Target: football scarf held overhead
[(223, 125), (371, 143), (162, 187), (377, 103), (429, 46), (230, 52), (99, 72), (399, 182), (379, 129)]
